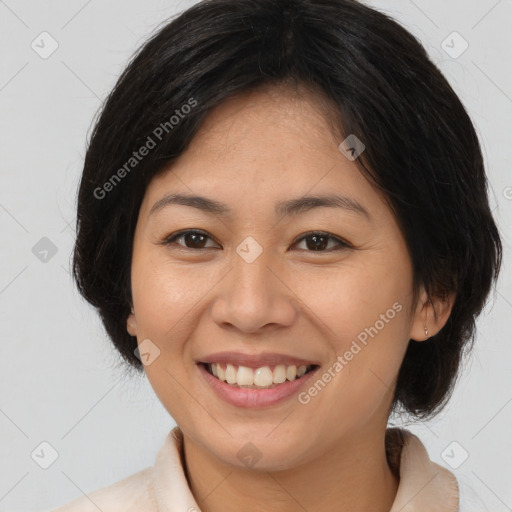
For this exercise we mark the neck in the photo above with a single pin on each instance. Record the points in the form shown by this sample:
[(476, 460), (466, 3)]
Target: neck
[(353, 475)]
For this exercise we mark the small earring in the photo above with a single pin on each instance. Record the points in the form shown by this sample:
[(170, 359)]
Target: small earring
[(426, 331)]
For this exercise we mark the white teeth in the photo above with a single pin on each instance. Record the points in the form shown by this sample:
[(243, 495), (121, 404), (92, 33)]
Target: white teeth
[(279, 374), (263, 376), (245, 376), (260, 377), (291, 372), (230, 374)]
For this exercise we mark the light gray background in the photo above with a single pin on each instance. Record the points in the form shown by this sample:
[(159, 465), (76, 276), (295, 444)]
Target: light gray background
[(59, 380)]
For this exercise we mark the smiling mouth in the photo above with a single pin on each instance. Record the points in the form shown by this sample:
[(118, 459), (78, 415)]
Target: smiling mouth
[(265, 377)]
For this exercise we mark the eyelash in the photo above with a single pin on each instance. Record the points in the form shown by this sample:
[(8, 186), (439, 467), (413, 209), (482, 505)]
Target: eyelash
[(342, 244)]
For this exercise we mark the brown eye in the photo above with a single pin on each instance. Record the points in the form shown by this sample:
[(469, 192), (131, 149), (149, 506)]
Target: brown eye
[(318, 241), (192, 239)]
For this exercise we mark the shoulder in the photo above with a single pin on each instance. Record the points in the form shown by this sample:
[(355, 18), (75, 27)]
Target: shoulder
[(131, 494), (423, 484)]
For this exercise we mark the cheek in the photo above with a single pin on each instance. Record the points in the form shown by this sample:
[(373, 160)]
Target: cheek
[(365, 309), (365, 375), (351, 297), (377, 319), (164, 293)]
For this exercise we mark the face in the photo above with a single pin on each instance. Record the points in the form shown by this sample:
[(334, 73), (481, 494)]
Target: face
[(255, 280)]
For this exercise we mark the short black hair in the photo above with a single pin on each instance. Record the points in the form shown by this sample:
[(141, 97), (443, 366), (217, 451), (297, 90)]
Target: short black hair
[(422, 153)]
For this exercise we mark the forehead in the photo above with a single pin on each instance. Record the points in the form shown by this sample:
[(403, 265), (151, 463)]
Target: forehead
[(298, 116), (261, 148)]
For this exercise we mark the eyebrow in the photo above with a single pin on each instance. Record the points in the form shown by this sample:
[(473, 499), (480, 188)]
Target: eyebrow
[(285, 208)]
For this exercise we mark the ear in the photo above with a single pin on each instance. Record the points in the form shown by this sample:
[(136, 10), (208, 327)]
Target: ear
[(131, 324), (430, 314)]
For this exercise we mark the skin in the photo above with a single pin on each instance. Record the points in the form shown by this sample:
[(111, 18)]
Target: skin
[(252, 152)]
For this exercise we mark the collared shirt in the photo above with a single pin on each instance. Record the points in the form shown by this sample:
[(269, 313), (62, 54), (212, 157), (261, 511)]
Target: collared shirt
[(424, 486)]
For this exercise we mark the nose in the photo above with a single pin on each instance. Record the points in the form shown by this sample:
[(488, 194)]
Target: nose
[(254, 296)]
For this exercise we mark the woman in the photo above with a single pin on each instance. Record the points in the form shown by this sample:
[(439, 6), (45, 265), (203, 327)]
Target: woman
[(283, 221)]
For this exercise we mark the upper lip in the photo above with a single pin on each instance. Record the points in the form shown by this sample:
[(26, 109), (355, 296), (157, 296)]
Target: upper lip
[(255, 360)]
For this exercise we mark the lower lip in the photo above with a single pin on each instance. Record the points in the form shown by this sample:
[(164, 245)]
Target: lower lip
[(245, 397)]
